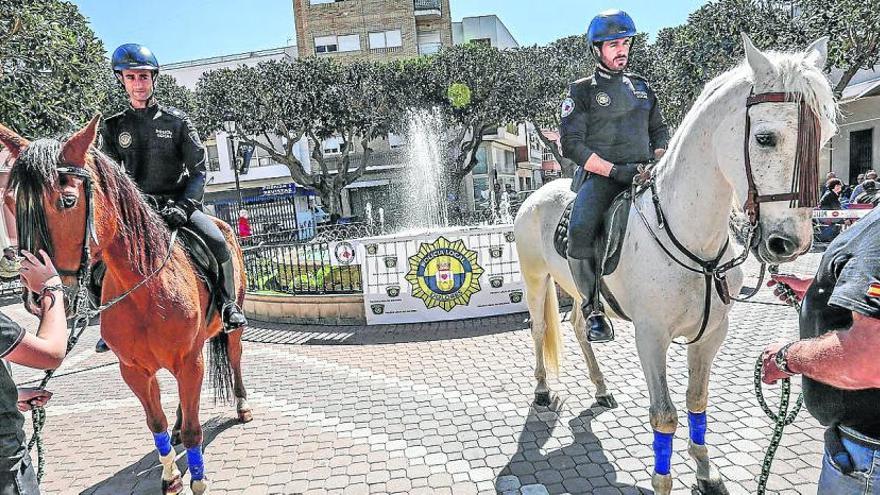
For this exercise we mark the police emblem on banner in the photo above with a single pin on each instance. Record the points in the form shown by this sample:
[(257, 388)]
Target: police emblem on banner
[(372, 248), (496, 282), (378, 309), (390, 261), (516, 296), (344, 253), (125, 140), (603, 99), (509, 237), (444, 274), (496, 251), (392, 291)]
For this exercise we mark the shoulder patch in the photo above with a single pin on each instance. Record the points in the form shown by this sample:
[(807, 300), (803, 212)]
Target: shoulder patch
[(567, 107), (874, 291)]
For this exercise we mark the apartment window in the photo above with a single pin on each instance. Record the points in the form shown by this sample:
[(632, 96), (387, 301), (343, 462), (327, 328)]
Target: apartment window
[(395, 142), (429, 42), (386, 39), (332, 145), (213, 159), (331, 44)]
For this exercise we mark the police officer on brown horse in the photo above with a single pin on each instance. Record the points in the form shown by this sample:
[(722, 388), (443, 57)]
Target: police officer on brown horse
[(611, 123), (161, 151)]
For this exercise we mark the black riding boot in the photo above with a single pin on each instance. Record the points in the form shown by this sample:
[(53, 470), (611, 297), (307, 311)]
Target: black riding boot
[(101, 346), (233, 318), (584, 273)]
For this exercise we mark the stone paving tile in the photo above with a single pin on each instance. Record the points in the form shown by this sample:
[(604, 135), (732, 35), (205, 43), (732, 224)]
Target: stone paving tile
[(427, 409)]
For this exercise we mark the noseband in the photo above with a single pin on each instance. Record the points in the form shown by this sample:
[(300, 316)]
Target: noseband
[(805, 180)]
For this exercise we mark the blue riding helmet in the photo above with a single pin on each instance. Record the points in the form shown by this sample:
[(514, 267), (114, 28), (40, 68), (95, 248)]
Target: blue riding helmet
[(610, 25), (132, 56)]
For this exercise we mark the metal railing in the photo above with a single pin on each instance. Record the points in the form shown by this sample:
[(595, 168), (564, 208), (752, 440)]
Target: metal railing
[(426, 5), (299, 269)]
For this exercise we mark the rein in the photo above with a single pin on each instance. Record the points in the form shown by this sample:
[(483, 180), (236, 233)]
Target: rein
[(803, 194), (83, 312)]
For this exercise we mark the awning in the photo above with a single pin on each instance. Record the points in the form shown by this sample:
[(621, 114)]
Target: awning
[(861, 90)]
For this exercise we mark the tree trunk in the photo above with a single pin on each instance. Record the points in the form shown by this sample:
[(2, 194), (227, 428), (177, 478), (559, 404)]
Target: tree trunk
[(846, 78)]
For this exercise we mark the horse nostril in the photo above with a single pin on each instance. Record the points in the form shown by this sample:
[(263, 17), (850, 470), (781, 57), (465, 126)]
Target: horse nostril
[(781, 246)]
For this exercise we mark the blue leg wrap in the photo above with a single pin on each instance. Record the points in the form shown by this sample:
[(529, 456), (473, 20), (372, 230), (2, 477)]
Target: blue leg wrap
[(662, 452), (196, 463), (163, 442), (697, 423)]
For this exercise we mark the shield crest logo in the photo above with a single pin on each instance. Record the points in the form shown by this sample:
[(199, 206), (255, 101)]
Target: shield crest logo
[(392, 291), (445, 280), (378, 309), (496, 282), (516, 297), (390, 261)]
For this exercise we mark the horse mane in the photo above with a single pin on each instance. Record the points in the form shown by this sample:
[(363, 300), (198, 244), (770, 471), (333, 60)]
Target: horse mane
[(142, 232), (792, 73)]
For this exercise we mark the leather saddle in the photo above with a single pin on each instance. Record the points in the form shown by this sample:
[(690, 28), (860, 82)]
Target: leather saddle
[(203, 260), (610, 240)]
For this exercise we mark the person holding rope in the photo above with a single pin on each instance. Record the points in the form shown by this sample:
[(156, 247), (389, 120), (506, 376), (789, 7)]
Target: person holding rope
[(837, 356), (44, 351), (611, 123), (161, 151)]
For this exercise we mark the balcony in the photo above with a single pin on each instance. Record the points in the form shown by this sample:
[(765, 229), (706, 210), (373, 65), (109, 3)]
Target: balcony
[(428, 9)]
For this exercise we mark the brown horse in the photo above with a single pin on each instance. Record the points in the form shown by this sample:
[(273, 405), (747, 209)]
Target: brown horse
[(77, 204)]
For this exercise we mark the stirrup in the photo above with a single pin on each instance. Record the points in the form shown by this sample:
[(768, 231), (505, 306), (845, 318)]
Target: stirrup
[(605, 332)]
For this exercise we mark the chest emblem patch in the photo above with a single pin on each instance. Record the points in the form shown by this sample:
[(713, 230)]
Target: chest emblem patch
[(874, 290), (603, 99), (567, 107), (125, 140), (642, 95), (163, 133)]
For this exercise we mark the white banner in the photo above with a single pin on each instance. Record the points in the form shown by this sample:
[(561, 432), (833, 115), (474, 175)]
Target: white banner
[(841, 214), (447, 275)]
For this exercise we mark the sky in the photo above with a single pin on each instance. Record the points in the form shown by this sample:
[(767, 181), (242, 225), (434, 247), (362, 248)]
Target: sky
[(178, 30)]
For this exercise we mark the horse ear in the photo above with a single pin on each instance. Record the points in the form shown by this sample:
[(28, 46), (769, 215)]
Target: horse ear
[(817, 53), (758, 62), (12, 141), (77, 147)]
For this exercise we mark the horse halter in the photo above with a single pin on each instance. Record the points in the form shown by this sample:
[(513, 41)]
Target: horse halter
[(805, 179)]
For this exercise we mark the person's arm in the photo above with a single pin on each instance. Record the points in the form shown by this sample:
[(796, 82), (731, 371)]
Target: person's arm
[(845, 359), (657, 129), (47, 348), (193, 154), (574, 135)]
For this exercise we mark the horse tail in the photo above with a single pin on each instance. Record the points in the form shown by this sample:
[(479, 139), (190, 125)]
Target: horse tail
[(552, 329), (220, 368)]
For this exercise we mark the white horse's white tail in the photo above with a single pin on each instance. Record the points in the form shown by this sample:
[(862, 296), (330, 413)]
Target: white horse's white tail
[(552, 332)]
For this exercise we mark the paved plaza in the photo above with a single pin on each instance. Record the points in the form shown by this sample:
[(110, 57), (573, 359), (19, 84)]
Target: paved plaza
[(431, 408)]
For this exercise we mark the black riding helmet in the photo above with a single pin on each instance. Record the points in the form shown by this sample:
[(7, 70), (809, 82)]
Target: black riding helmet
[(132, 56)]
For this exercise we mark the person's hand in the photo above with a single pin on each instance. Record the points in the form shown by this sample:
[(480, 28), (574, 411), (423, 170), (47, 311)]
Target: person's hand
[(624, 173), (798, 286), (658, 153), (598, 165), (37, 273), (770, 373), (29, 398), (174, 215)]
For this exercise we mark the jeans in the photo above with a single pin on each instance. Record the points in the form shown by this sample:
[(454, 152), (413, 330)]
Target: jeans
[(864, 479), (20, 482)]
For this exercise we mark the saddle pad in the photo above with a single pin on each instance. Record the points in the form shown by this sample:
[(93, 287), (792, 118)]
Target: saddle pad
[(612, 234)]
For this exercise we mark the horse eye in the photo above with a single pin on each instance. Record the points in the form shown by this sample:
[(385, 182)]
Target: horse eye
[(68, 202), (766, 139)]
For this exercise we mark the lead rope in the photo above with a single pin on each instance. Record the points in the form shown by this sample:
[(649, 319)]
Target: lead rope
[(783, 417)]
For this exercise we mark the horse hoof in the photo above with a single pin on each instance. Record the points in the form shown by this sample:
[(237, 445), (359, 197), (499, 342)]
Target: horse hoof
[(199, 487), (542, 398), (607, 401), (662, 484), (713, 486), (174, 486), (245, 416)]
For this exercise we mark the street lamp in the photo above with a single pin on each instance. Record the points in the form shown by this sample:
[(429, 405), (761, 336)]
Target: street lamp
[(229, 127)]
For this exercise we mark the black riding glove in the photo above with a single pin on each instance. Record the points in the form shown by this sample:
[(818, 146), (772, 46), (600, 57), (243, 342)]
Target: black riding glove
[(624, 173), (175, 216)]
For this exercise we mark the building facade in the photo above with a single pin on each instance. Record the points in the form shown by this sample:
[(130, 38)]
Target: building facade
[(855, 148), (371, 29)]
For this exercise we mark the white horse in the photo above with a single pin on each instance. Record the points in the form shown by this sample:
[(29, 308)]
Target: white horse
[(702, 174)]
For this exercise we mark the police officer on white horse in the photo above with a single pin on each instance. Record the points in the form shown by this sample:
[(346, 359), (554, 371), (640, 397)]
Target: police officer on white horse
[(611, 123)]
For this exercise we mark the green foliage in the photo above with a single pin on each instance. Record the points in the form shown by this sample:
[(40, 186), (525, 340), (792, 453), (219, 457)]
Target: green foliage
[(51, 67), (459, 95)]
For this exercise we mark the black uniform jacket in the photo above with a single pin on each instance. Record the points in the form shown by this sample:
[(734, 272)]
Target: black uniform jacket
[(616, 116), (160, 149)]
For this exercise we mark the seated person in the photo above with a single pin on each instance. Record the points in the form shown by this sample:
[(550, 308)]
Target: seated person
[(831, 197), (870, 194), (10, 264)]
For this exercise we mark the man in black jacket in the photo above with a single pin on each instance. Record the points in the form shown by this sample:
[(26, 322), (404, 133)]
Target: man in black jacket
[(611, 123), (161, 151)]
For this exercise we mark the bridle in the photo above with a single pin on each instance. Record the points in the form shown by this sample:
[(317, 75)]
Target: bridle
[(803, 194), (805, 178)]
